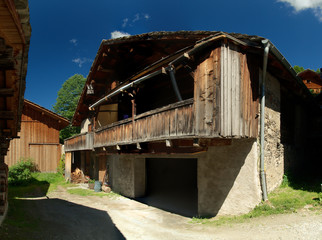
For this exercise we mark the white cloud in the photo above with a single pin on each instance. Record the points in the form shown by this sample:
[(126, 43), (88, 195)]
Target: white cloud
[(125, 21), (136, 17), (74, 41), (81, 61), (299, 5), (119, 34), (146, 16)]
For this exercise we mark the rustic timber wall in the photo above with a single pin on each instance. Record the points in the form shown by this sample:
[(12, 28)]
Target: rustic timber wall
[(39, 140), (226, 94)]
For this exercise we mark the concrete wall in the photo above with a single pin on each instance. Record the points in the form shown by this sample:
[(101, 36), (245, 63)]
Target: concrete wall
[(274, 151), (228, 179), (84, 125), (128, 175)]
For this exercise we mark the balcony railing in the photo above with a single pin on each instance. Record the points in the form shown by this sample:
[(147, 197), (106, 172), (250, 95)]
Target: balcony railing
[(82, 141), (169, 122)]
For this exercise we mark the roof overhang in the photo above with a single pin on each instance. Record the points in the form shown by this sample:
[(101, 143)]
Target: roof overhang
[(114, 57), (63, 122)]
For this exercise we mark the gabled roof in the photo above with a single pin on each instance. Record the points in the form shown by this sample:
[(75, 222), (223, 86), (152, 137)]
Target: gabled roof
[(126, 59), (63, 122), (308, 74)]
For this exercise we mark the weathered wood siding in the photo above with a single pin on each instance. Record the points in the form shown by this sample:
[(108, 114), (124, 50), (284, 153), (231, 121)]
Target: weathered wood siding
[(82, 141), (39, 139), (225, 104), (226, 94), (168, 122), (206, 96)]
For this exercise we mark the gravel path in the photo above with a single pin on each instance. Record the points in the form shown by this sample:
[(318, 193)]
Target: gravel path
[(79, 217)]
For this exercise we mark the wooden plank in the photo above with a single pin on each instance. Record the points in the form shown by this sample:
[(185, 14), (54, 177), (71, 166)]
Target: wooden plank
[(197, 100), (6, 115), (173, 122), (209, 99), (217, 101)]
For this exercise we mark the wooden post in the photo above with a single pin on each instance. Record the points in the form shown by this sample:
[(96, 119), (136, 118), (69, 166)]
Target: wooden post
[(133, 116), (83, 161), (68, 165)]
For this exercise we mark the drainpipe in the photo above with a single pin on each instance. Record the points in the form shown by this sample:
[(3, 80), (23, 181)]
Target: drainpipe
[(174, 82), (262, 121)]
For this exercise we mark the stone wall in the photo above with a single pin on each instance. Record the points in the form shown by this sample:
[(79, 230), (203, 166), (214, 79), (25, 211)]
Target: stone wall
[(128, 175), (228, 179), (274, 151)]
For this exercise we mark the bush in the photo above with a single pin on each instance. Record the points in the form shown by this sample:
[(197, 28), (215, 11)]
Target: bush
[(61, 165), (20, 173)]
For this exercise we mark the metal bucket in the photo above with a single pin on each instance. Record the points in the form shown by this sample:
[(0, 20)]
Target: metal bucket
[(97, 186)]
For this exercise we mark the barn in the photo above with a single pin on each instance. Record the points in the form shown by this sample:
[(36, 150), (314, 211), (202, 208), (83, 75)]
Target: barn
[(196, 123), (38, 138)]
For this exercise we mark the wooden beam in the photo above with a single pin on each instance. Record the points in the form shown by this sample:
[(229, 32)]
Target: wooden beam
[(100, 68), (7, 64), (6, 92), (3, 151), (6, 115), (4, 145)]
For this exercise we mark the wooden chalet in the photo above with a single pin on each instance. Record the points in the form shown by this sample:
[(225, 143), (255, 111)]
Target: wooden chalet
[(14, 45), (177, 115), (38, 138), (312, 80)]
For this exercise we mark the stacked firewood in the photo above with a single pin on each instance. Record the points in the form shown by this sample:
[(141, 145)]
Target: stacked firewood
[(3, 187), (78, 176)]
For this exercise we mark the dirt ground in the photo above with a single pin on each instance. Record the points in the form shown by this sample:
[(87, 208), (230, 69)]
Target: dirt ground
[(66, 216)]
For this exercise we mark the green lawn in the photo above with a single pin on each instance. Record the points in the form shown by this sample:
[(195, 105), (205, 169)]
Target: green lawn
[(288, 198)]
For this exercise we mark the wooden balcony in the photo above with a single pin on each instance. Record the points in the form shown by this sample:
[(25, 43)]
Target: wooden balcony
[(79, 142), (170, 122)]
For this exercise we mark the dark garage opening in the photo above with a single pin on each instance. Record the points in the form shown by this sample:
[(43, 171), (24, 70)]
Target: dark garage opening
[(172, 185)]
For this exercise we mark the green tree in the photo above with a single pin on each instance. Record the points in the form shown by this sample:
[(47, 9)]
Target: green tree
[(66, 103), (298, 69)]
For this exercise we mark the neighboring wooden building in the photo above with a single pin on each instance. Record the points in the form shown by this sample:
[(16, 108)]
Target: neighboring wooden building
[(174, 117), (312, 80), (15, 34), (38, 138)]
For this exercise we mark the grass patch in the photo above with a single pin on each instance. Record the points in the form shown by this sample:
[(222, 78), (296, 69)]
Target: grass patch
[(38, 186), (54, 179), (89, 192), (20, 224), (285, 199)]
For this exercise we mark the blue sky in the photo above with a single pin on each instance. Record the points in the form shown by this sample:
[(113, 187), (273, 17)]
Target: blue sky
[(66, 34)]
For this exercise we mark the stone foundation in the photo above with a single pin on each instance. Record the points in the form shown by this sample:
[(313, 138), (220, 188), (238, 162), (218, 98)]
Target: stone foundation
[(228, 179)]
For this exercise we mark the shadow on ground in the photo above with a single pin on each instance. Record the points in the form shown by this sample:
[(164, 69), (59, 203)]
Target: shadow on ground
[(34, 216)]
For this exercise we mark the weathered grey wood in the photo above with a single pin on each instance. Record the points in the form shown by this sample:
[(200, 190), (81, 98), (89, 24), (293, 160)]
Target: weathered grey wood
[(217, 104), (209, 94)]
